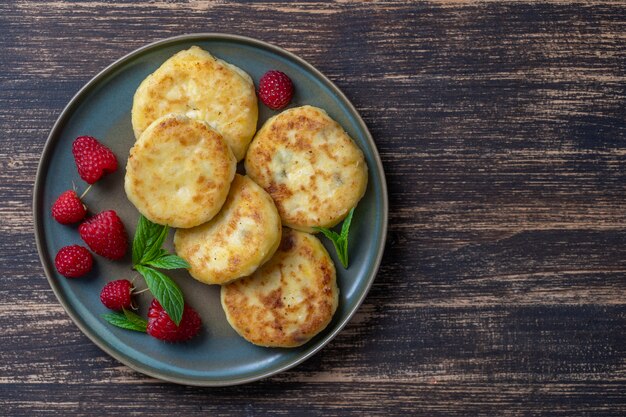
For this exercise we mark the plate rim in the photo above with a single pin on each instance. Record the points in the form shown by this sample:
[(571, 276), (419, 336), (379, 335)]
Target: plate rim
[(38, 221)]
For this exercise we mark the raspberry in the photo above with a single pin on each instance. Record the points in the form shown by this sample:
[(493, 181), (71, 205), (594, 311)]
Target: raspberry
[(73, 261), (116, 295), (162, 327), (93, 159), (275, 89), (105, 234), (68, 208)]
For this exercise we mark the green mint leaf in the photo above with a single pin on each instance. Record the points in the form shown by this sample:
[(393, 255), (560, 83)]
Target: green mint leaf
[(345, 227), (135, 319), (121, 320), (342, 251), (165, 291), (168, 261), (162, 253), (333, 236), (341, 247), (145, 238), (154, 250), (340, 242)]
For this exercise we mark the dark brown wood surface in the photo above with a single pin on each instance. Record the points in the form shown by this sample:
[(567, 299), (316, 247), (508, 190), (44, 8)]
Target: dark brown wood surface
[(502, 129)]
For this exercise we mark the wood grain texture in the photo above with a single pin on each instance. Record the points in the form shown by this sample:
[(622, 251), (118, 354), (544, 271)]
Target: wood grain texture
[(502, 129)]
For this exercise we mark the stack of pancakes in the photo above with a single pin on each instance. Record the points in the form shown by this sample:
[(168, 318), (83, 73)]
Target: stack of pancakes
[(194, 118)]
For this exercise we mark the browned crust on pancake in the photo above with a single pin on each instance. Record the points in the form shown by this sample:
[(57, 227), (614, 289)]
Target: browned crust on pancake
[(200, 86), (309, 165), (289, 299), (177, 153), (247, 229)]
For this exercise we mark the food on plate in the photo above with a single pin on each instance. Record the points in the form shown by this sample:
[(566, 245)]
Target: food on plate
[(105, 234), (289, 299), (148, 257), (161, 326), (73, 261), (275, 89), (193, 119), (117, 295), (200, 86), (244, 235), (93, 159), (309, 165), (179, 172), (68, 209)]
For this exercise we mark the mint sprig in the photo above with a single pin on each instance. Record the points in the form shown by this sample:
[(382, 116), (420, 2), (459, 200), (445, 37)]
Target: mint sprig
[(149, 238), (165, 290), (147, 255), (340, 241), (127, 320)]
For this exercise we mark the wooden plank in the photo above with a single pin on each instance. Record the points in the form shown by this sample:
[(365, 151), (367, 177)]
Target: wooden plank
[(287, 399)]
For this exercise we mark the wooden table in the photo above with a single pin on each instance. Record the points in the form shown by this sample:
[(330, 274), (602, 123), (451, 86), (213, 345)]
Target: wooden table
[(502, 128)]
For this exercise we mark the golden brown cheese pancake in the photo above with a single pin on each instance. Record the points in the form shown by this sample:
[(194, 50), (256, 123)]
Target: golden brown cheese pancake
[(244, 235), (309, 165), (200, 86), (179, 172), (289, 299)]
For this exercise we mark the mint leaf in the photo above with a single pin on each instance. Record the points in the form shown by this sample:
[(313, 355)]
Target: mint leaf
[(146, 236), (135, 319), (165, 291), (148, 254), (167, 261), (137, 323), (328, 233), (154, 249), (340, 241), (345, 227)]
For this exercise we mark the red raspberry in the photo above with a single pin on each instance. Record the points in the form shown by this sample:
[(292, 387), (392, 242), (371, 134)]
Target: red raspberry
[(93, 159), (68, 208), (275, 89), (73, 261), (105, 234), (162, 327), (116, 295)]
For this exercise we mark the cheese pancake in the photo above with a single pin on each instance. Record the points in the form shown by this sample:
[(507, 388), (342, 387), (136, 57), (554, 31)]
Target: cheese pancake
[(309, 165), (245, 234), (289, 299), (179, 172), (200, 86)]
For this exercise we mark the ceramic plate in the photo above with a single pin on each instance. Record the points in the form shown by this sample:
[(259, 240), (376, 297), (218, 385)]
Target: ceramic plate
[(218, 356)]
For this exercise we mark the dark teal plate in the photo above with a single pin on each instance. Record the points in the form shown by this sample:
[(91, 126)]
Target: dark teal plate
[(218, 356)]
